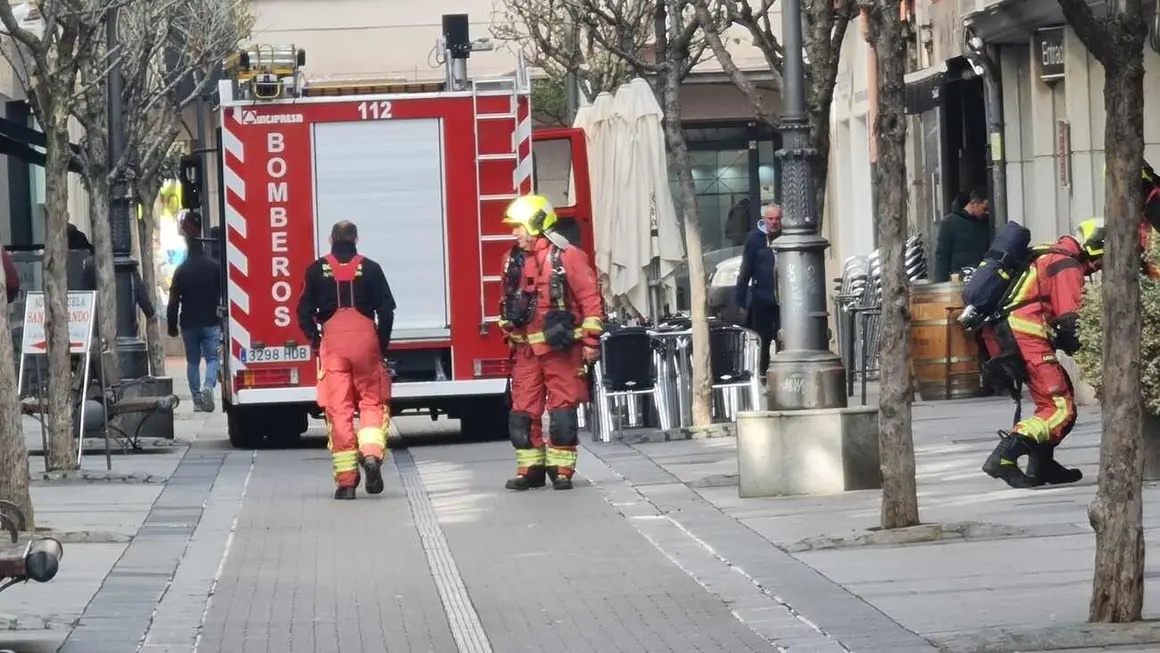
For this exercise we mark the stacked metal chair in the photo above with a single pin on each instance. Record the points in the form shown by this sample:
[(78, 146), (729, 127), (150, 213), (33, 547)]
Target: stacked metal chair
[(859, 304)]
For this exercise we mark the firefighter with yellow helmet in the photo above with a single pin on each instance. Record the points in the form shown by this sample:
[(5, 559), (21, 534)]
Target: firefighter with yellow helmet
[(552, 316)]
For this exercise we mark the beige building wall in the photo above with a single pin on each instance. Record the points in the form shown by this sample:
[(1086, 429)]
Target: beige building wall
[(849, 201), (1038, 113)]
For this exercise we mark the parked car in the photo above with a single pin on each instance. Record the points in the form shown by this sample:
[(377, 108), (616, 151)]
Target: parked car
[(723, 289), (713, 261)]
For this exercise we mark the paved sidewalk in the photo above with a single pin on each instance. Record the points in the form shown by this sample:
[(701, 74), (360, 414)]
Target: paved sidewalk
[(96, 514), (446, 559), (1011, 571)]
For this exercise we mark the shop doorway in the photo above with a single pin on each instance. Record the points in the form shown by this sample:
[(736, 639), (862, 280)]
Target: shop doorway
[(965, 161)]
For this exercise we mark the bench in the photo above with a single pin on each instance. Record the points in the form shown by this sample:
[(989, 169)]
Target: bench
[(132, 405), (38, 559)]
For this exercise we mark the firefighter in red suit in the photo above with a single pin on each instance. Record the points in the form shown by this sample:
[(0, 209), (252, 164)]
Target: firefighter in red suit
[(552, 315), (1150, 221), (1042, 317), (343, 294)]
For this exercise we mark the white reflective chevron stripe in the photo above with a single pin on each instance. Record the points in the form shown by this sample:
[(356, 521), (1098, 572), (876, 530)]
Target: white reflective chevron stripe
[(238, 263)]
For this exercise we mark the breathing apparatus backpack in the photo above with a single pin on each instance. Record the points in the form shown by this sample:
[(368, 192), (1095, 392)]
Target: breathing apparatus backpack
[(1003, 264), (517, 304)]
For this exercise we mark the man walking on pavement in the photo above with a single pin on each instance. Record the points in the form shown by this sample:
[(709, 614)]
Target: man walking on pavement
[(1042, 316), (759, 267), (192, 313), (344, 292), (552, 315)]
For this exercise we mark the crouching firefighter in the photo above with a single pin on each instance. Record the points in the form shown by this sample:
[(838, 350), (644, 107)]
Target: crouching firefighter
[(552, 316), (1038, 314), (342, 295)]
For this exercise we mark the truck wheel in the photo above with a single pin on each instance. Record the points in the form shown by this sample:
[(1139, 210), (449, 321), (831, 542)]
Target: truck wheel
[(486, 419), (243, 429)]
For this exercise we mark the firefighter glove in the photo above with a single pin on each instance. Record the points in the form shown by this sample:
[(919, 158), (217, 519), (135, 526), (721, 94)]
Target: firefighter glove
[(1067, 334)]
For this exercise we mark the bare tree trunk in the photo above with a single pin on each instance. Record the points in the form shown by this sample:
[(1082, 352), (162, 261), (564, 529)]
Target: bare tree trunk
[(147, 190), (1117, 511), (106, 281), (13, 453), (61, 454), (673, 48), (896, 441)]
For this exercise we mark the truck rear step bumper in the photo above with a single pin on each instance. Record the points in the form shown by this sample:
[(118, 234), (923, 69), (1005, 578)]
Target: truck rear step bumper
[(416, 390)]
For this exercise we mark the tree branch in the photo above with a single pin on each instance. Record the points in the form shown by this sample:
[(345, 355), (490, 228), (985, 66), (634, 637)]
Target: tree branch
[(739, 79), (1091, 31)]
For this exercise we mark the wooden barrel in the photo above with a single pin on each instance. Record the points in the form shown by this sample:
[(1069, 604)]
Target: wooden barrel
[(944, 358)]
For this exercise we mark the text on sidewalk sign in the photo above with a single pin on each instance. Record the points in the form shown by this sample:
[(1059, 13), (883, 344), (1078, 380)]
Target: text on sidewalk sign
[(81, 307)]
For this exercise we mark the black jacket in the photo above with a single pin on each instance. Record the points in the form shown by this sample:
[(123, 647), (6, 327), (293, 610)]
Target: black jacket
[(962, 242), (759, 265), (372, 297), (196, 292)]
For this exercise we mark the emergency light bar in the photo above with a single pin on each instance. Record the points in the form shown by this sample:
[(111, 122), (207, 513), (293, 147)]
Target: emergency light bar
[(266, 71)]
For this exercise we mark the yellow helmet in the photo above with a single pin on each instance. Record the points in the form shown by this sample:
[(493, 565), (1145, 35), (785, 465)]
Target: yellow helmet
[(533, 212), (1091, 235)]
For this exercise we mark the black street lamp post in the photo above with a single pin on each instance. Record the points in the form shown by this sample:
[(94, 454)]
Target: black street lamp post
[(805, 374), (131, 352)]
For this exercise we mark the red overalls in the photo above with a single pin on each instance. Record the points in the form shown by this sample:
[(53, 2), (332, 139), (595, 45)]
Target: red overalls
[(352, 373)]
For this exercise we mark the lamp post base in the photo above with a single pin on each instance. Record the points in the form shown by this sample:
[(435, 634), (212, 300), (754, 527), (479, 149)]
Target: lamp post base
[(801, 380), (133, 358)]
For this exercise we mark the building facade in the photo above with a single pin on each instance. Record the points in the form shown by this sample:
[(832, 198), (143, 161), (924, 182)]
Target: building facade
[(1049, 149)]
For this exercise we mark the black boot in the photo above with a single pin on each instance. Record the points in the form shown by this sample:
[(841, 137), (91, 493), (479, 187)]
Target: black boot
[(1003, 463), (559, 481), (344, 493), (1042, 468), (374, 468), (534, 477)]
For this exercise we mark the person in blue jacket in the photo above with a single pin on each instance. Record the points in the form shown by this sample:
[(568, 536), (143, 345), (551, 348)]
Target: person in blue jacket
[(757, 284)]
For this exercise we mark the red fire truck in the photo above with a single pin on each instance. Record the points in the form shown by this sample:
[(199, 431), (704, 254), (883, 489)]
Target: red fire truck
[(425, 171)]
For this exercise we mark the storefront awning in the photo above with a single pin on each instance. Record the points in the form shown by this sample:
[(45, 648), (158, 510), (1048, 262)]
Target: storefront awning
[(1013, 22), (923, 87)]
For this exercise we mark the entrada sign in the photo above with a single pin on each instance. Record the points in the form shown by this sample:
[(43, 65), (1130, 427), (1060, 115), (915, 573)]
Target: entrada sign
[(1048, 49)]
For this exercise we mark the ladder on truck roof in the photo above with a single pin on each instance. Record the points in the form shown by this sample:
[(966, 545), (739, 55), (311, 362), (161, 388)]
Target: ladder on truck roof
[(503, 168)]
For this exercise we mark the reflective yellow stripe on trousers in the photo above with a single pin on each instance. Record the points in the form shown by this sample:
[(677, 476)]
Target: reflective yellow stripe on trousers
[(530, 457), (345, 461), (561, 457), (376, 434), (1040, 429)]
